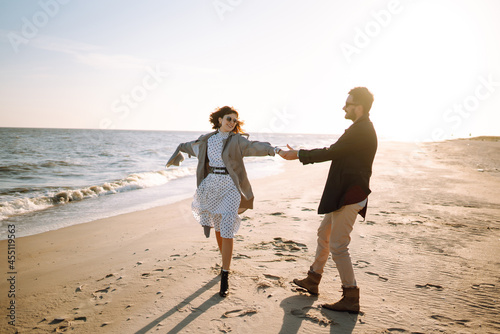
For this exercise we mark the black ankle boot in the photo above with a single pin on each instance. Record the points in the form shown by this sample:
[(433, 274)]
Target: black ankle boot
[(224, 284)]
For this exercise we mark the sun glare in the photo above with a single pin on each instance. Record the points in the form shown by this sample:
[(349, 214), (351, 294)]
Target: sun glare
[(419, 70)]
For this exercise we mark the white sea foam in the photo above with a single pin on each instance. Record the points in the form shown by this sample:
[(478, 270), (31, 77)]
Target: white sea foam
[(131, 182), (24, 205)]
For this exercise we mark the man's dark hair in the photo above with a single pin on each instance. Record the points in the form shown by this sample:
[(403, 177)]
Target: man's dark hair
[(362, 96)]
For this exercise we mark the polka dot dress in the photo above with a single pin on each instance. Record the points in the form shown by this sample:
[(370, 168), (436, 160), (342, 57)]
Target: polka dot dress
[(217, 199)]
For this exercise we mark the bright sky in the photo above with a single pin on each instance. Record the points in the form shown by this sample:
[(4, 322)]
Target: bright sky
[(286, 65)]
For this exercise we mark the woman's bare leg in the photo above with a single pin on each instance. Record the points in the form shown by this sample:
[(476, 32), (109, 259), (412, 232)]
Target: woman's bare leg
[(226, 250), (219, 241), (227, 253)]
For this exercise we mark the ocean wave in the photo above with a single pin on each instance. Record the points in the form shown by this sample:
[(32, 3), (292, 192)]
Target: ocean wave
[(134, 181), (15, 169), (59, 163), (25, 167)]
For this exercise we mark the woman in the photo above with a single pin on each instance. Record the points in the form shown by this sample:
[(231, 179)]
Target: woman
[(223, 188)]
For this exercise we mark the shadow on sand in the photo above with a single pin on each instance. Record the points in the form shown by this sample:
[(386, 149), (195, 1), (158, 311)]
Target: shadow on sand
[(215, 299), (300, 308)]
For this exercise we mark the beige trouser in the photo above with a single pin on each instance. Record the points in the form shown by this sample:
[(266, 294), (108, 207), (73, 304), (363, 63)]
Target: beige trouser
[(334, 236)]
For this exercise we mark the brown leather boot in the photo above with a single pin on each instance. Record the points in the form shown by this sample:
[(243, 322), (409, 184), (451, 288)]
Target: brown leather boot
[(310, 283), (348, 303)]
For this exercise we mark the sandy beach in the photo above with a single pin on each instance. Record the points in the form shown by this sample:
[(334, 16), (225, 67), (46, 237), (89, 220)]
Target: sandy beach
[(426, 258)]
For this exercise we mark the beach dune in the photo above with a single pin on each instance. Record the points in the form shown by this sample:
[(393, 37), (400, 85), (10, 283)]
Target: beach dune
[(426, 258)]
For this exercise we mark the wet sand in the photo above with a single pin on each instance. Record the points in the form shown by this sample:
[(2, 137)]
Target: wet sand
[(426, 258)]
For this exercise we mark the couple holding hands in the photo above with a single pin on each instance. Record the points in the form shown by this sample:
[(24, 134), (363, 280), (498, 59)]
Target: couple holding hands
[(223, 190)]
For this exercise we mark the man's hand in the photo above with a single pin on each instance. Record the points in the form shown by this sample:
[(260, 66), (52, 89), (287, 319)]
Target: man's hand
[(291, 154)]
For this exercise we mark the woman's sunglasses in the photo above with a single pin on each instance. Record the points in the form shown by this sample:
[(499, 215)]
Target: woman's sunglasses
[(230, 119)]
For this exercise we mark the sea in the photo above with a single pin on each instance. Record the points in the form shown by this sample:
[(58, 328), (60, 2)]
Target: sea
[(53, 178)]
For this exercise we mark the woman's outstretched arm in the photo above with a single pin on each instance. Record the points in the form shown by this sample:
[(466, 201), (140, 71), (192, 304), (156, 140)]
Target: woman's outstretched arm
[(255, 148), (190, 148)]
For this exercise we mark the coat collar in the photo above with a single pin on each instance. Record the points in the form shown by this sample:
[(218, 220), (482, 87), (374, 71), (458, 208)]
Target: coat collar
[(210, 134), (362, 119)]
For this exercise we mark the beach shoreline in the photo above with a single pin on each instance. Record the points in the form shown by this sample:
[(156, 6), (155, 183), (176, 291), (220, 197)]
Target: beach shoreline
[(420, 260)]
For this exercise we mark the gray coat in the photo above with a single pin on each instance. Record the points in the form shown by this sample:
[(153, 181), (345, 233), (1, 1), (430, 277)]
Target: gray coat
[(235, 147)]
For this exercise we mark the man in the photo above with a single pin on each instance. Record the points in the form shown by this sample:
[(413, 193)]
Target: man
[(344, 197)]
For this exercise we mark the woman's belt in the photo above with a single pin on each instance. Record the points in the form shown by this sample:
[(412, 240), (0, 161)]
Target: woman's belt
[(218, 170)]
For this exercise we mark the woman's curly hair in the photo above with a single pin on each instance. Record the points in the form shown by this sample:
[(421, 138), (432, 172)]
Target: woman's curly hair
[(220, 113)]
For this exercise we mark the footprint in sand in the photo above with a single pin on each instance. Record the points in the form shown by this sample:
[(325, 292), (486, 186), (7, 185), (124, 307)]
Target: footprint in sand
[(264, 284), (99, 294), (105, 290), (449, 320), (239, 313), (280, 245), (361, 264), (186, 308), (224, 328), (269, 281), (68, 322), (394, 223), (241, 256), (312, 314), (273, 277), (397, 330), (61, 329), (288, 245), (383, 279), (416, 222), (56, 321), (308, 209), (216, 269), (429, 286), (482, 285), (285, 257), (108, 276)]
